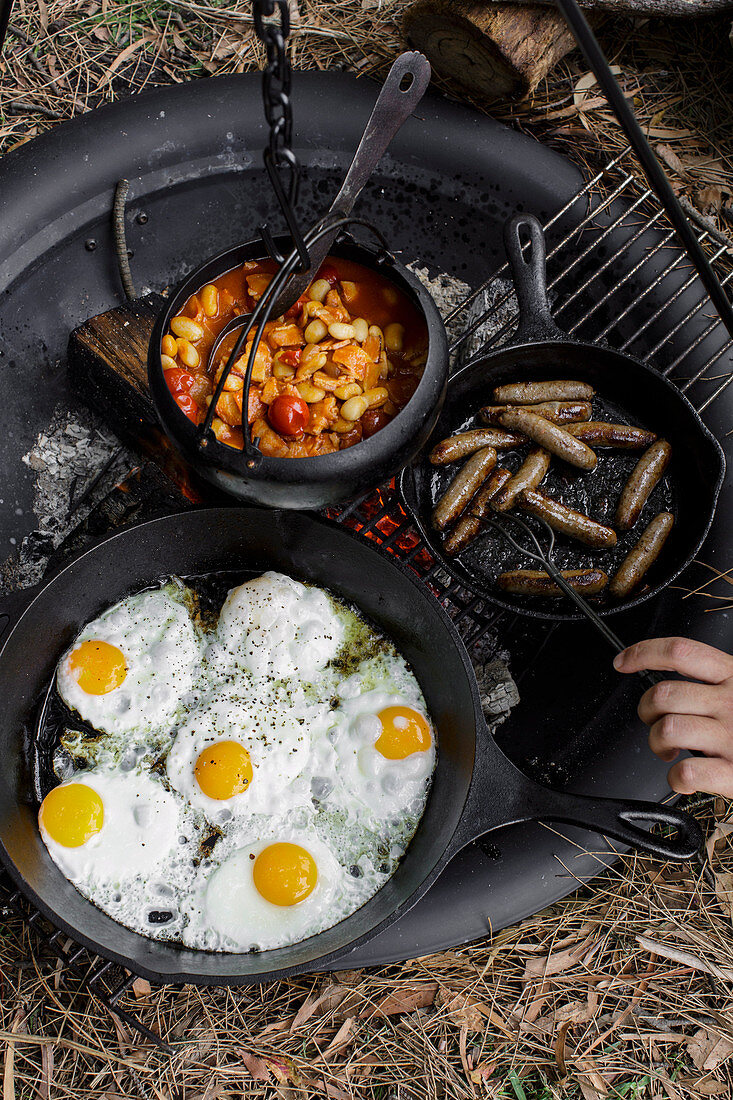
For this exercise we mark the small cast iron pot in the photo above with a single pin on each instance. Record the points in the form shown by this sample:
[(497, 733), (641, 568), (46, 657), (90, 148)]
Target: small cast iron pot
[(326, 479)]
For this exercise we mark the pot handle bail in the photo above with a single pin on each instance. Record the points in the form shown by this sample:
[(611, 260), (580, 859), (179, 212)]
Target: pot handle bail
[(529, 273)]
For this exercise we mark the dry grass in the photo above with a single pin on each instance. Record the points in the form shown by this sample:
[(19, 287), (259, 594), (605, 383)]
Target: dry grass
[(623, 990)]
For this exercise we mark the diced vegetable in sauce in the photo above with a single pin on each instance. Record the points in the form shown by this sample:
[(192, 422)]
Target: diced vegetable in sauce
[(334, 370)]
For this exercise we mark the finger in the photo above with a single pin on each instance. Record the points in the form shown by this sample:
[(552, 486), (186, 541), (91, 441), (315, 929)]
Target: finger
[(683, 655), (702, 773), (679, 697), (674, 732)]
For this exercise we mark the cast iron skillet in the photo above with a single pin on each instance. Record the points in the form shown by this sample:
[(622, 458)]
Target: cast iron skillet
[(476, 788), (630, 390), (326, 479)]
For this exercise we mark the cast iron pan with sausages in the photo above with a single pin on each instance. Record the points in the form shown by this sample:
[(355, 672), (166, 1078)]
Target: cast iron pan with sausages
[(627, 392), (476, 788)]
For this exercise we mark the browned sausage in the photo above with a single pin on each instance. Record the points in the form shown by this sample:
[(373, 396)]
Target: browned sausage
[(559, 412), (528, 476), (535, 582), (465, 443), (463, 486), (530, 393), (550, 437), (469, 525), (637, 490), (598, 433), (640, 559), (567, 520)]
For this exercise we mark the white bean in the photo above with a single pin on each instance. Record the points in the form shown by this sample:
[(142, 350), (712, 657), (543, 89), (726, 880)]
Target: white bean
[(361, 329), (340, 331), (188, 329), (318, 290), (394, 335), (315, 331), (353, 408)]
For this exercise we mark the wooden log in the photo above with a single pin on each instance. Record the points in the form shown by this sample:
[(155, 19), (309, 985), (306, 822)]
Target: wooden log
[(108, 370), (492, 50)]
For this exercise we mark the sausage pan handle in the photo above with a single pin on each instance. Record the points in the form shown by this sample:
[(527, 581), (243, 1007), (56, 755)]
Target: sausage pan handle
[(530, 280), (500, 794)]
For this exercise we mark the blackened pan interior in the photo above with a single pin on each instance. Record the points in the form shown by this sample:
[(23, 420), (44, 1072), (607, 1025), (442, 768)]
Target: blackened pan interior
[(645, 397), (202, 541)]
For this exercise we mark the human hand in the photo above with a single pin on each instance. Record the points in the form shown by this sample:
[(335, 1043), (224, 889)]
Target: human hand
[(688, 715)]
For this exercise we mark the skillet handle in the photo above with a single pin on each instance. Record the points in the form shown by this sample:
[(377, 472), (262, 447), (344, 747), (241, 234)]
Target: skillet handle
[(624, 820), (530, 280), (500, 794)]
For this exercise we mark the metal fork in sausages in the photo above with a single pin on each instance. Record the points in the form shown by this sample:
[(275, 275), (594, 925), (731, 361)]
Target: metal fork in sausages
[(536, 582), (550, 437), (566, 520), (469, 525), (644, 477)]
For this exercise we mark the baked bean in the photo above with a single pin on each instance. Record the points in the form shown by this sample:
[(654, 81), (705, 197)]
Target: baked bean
[(350, 389), (394, 336), (169, 346), (340, 331), (187, 353), (210, 300), (310, 393), (375, 397), (361, 329), (315, 331), (318, 290), (167, 363), (188, 329), (354, 408)]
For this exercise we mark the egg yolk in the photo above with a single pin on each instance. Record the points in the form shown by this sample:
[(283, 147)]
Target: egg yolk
[(97, 667), (404, 731), (285, 874), (223, 770), (71, 814)]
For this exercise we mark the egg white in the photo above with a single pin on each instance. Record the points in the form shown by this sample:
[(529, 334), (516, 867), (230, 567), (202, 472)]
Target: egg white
[(275, 626), (141, 825), (234, 916), (162, 651)]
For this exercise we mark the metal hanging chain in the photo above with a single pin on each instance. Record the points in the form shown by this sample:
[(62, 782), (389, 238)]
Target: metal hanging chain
[(281, 162)]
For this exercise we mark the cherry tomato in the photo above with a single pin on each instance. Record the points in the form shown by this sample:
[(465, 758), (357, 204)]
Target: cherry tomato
[(179, 380), (329, 273), (288, 414), (297, 307), (188, 406), (290, 356)]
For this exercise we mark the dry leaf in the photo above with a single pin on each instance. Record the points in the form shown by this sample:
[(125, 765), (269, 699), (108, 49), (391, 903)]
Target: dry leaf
[(257, 1067), (340, 1040), (670, 158), (483, 1072), (707, 1051), (589, 1069), (709, 200), (9, 1068), (47, 1059), (128, 51), (560, 1050), (141, 988), (710, 1088), (463, 1009), (404, 999), (336, 1092), (555, 963)]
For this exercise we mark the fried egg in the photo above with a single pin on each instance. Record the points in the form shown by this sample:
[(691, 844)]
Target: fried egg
[(129, 670), (272, 892), (241, 750), (385, 746), (104, 828), (277, 627)]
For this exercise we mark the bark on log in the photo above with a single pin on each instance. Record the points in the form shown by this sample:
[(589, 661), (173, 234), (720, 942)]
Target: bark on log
[(663, 8), (493, 50)]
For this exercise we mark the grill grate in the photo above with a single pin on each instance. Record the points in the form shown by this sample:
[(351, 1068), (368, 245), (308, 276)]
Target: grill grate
[(614, 271)]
